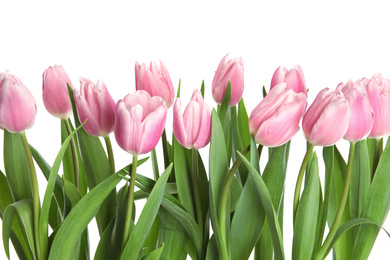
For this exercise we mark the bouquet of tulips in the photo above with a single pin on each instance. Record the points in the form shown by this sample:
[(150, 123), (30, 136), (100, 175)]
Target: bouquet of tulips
[(221, 207)]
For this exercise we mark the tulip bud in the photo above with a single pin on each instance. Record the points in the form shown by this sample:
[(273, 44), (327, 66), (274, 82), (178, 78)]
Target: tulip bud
[(94, 102), (55, 92), (378, 91), (327, 119), (140, 122), (229, 70), (17, 106), (192, 129), (294, 78), (362, 117), (155, 80), (276, 119)]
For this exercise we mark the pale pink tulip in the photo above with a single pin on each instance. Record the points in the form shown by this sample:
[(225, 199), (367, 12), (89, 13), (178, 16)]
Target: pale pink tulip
[(17, 106), (94, 102), (155, 80), (140, 122), (55, 92), (327, 119), (362, 116), (229, 70), (294, 78), (378, 90), (192, 129), (276, 119)]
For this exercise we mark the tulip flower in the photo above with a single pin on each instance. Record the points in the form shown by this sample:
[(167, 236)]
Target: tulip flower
[(378, 91), (155, 80), (362, 116), (17, 105), (229, 70), (327, 119), (55, 92), (140, 122), (276, 119), (294, 78), (192, 129), (94, 102)]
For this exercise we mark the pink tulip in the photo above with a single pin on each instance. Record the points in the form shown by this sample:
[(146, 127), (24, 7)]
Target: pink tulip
[(17, 106), (294, 78), (229, 70), (192, 129), (155, 80), (378, 90), (55, 92), (94, 102), (362, 117), (276, 119), (140, 122), (327, 119)]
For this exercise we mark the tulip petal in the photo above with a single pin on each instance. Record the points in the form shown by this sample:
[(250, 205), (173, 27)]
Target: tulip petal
[(153, 128), (203, 137), (83, 111)]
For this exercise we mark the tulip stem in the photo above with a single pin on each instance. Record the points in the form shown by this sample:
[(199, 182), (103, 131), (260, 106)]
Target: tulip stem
[(377, 154), (195, 183), (110, 153), (130, 200), (35, 190), (225, 195), (340, 211), (298, 186), (74, 155), (165, 149)]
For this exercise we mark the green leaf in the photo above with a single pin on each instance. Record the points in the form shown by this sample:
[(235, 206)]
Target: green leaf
[(16, 167), (152, 239), (154, 255), (178, 89), (307, 214), (376, 208), (202, 89), (145, 221), (243, 124), (67, 162), (242, 173), (212, 249), (224, 116), (24, 210)]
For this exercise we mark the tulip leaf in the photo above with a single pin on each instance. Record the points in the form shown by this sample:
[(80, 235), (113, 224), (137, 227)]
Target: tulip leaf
[(307, 214), (16, 167), (243, 124), (212, 249), (155, 254), (224, 117), (138, 235), (178, 89), (202, 89), (67, 162), (375, 149), (376, 208)]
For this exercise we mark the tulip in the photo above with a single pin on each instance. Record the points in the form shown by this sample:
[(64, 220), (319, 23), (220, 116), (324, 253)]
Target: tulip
[(294, 78), (155, 80), (94, 102), (192, 129), (378, 90), (55, 92), (362, 116), (327, 119), (140, 122), (17, 105), (276, 119), (229, 70)]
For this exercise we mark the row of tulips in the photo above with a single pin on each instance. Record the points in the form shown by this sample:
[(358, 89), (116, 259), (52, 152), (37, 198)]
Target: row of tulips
[(243, 205)]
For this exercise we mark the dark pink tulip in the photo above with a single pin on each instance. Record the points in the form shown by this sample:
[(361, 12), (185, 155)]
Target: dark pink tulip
[(229, 70), (276, 119), (94, 102), (327, 119), (155, 80), (192, 129), (378, 90), (362, 117), (294, 78), (17, 106), (55, 92), (140, 122)]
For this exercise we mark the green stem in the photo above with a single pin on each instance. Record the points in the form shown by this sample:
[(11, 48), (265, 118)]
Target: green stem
[(155, 164), (195, 183), (225, 195), (130, 200), (165, 149), (377, 154), (340, 211), (35, 190), (300, 178), (110, 153), (74, 156)]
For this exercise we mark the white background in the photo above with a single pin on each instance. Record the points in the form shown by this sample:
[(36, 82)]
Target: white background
[(333, 41)]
